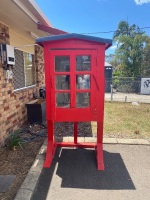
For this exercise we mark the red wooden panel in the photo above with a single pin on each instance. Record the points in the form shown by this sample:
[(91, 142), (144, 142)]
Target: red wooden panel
[(80, 145), (73, 114)]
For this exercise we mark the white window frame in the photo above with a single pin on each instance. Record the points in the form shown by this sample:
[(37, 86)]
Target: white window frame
[(30, 86)]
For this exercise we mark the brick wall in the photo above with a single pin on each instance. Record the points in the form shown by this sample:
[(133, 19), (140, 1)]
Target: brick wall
[(4, 34), (39, 62), (13, 104)]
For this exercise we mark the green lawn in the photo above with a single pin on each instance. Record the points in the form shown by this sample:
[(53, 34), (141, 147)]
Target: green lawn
[(127, 120)]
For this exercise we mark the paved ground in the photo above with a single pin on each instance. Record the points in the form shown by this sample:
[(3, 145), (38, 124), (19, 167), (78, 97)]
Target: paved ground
[(128, 97), (74, 176)]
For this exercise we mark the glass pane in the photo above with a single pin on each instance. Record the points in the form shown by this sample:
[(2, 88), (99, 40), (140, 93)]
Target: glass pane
[(83, 63), (82, 99), (83, 81), (62, 82), (62, 63), (29, 69), (63, 100)]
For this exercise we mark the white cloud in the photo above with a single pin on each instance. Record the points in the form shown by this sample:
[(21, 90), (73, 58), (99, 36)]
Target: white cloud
[(113, 47), (140, 2)]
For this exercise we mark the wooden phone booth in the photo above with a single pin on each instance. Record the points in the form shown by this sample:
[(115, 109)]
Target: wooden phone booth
[(75, 87)]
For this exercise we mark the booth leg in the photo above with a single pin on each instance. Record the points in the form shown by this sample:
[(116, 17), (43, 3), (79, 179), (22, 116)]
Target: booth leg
[(51, 145), (75, 132), (99, 155), (99, 148)]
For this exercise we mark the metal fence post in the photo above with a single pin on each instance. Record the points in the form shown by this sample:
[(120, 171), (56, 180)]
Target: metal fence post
[(111, 92)]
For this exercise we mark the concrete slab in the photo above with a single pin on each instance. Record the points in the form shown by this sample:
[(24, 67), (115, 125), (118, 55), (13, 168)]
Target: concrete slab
[(90, 139), (75, 170), (5, 182), (128, 97), (24, 194), (74, 175), (110, 141), (133, 141)]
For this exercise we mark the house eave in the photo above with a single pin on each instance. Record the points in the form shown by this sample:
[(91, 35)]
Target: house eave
[(37, 16)]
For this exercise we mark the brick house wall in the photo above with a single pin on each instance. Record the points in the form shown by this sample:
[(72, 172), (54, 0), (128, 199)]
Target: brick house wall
[(13, 111), (39, 62)]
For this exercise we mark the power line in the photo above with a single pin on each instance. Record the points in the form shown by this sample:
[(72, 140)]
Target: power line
[(100, 32), (146, 27)]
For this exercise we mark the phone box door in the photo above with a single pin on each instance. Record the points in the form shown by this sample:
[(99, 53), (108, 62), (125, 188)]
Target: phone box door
[(73, 85)]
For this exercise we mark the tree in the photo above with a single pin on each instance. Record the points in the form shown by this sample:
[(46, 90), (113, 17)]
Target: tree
[(146, 59), (129, 54)]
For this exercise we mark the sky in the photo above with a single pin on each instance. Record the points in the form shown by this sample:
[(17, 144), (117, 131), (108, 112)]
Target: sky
[(92, 17)]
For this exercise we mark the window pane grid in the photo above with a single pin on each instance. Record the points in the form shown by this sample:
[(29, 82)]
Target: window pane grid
[(18, 70), (24, 71)]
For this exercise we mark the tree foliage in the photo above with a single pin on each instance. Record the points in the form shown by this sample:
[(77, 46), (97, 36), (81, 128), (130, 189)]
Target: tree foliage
[(132, 49), (146, 59)]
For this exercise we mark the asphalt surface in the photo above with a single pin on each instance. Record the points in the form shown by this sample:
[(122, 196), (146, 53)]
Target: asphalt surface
[(74, 175)]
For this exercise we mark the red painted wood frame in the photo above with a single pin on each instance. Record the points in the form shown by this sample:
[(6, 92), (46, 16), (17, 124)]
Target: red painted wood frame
[(94, 112)]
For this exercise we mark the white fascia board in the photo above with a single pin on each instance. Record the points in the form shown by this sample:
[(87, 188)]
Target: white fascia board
[(26, 10), (40, 12)]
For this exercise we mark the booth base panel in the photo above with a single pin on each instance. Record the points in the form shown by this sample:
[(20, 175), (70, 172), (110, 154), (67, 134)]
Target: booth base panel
[(51, 147)]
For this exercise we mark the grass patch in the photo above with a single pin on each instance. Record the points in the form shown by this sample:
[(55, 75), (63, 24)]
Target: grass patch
[(127, 119)]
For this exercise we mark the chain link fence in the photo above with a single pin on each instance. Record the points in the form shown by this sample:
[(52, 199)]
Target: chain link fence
[(128, 89)]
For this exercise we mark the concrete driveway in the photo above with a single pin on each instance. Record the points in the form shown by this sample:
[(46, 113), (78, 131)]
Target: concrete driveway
[(74, 176), (127, 97)]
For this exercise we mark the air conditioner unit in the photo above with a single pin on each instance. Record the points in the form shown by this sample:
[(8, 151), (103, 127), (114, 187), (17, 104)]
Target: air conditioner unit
[(7, 54)]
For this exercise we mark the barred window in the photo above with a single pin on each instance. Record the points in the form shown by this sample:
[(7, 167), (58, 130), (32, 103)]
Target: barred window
[(24, 70)]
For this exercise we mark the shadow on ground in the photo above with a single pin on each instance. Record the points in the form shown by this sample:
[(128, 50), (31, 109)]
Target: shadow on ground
[(77, 169)]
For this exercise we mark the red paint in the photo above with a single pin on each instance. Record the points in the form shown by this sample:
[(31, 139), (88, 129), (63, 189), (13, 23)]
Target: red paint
[(94, 112), (79, 145)]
